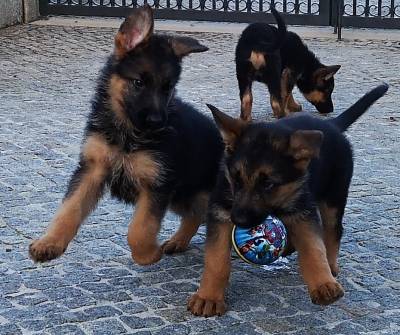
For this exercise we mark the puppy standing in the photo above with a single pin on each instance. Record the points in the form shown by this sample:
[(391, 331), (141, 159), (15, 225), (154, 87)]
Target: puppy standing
[(143, 144), (281, 60), (299, 169)]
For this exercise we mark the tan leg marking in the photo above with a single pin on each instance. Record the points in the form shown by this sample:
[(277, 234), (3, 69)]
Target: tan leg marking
[(246, 105), (143, 230), (314, 267), (329, 218), (209, 299), (287, 85), (258, 60), (190, 223), (292, 105), (276, 107), (77, 205)]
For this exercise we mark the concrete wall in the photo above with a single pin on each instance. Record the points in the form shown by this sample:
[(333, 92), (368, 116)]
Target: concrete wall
[(18, 11), (31, 10), (10, 12)]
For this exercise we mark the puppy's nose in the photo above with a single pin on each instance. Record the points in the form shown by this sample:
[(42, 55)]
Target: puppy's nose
[(240, 217), (155, 120)]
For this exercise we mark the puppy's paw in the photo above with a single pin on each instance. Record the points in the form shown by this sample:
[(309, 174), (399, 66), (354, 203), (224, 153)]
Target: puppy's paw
[(327, 293), (148, 256), (206, 307), (45, 249), (174, 246)]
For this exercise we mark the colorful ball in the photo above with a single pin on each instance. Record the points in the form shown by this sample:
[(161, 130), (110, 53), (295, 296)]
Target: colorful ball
[(262, 244)]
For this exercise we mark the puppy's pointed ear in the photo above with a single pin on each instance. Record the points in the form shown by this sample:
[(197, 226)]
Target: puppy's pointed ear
[(327, 72), (184, 46), (305, 145), (135, 30), (229, 127)]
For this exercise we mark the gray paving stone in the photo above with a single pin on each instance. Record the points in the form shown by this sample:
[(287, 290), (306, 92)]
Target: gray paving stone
[(107, 327), (135, 322), (10, 329)]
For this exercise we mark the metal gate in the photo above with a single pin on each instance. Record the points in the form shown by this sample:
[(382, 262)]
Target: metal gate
[(301, 12), (355, 13)]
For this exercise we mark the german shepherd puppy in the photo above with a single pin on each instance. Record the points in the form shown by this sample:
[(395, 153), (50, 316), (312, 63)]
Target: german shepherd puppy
[(143, 144), (281, 60), (297, 168)]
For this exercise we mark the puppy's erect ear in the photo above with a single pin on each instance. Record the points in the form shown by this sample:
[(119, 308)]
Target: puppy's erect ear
[(229, 127), (305, 145), (327, 72), (135, 30), (184, 46)]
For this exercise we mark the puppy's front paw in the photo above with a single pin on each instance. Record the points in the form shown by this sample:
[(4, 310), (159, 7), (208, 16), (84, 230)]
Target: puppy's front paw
[(327, 293), (45, 249), (147, 256), (174, 246), (206, 307)]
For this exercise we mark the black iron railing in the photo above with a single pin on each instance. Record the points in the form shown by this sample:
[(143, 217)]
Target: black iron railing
[(304, 12), (356, 13)]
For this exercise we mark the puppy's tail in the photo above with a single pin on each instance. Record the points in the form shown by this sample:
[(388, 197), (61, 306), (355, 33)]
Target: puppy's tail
[(267, 46), (282, 30), (348, 117)]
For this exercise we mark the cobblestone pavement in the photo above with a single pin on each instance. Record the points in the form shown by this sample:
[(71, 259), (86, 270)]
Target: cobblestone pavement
[(47, 75)]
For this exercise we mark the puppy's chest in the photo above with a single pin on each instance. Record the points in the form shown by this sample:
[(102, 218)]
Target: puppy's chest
[(134, 171)]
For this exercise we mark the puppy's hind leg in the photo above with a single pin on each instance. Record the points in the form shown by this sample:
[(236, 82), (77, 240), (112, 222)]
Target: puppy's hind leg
[(191, 220), (333, 230), (85, 188), (243, 74), (275, 91)]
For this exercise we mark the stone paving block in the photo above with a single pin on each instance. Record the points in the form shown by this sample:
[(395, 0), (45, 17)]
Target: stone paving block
[(106, 327), (66, 330), (135, 322)]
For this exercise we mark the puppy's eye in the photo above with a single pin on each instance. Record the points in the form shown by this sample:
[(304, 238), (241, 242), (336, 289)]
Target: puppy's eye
[(138, 83)]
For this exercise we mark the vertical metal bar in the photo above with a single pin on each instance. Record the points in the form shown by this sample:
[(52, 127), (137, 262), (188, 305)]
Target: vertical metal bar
[(248, 6), (190, 4), (237, 5), (213, 5), (392, 10), (296, 7), (379, 8), (366, 11), (284, 6), (309, 7), (340, 11), (355, 7)]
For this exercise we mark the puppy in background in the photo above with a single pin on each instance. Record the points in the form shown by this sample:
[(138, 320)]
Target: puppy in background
[(281, 60)]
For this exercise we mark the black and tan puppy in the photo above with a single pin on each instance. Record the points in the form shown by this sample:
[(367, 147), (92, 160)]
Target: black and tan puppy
[(143, 144), (281, 60), (299, 169)]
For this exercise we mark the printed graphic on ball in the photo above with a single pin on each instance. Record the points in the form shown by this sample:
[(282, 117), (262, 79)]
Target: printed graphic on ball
[(262, 244)]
